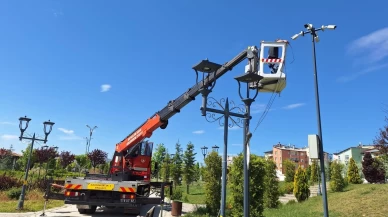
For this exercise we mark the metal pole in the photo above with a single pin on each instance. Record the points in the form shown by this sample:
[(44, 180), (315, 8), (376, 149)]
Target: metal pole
[(224, 160), (22, 195), (321, 155), (246, 166)]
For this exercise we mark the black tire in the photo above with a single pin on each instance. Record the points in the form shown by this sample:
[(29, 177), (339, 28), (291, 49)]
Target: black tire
[(82, 211), (92, 210)]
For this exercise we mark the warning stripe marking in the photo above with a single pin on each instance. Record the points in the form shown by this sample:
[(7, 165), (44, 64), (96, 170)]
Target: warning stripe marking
[(71, 186), (127, 189), (271, 60)]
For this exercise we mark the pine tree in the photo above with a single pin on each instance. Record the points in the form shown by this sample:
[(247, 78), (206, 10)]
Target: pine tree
[(301, 185), (189, 169), (337, 182), (166, 168), (353, 173), (176, 167), (314, 172), (271, 195)]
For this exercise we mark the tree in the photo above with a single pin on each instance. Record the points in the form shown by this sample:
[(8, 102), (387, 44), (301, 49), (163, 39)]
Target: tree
[(314, 172), (97, 157), (301, 185), (166, 168), (5, 159), (83, 162), (212, 173), (43, 155), (189, 169), (67, 158), (373, 169), (158, 157), (353, 174), (290, 170), (176, 167), (381, 141), (197, 174), (23, 160), (257, 172), (308, 171), (271, 195), (337, 182)]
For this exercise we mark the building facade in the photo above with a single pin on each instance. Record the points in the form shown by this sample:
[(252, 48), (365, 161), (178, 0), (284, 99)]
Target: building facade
[(280, 153), (356, 152)]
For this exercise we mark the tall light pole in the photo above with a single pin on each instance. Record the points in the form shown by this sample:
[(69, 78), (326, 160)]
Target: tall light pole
[(24, 121), (313, 32), (90, 137)]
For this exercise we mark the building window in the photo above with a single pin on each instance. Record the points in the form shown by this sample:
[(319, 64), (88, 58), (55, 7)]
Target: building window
[(301, 154), (346, 157), (301, 160)]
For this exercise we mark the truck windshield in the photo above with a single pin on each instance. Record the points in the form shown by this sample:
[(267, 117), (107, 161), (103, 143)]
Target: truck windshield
[(146, 149)]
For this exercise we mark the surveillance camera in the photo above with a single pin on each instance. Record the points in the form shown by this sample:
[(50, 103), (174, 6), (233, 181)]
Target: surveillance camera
[(331, 27), (316, 38), (308, 26), (295, 36)]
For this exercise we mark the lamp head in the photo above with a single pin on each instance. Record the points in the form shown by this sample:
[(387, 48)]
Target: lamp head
[(206, 66)]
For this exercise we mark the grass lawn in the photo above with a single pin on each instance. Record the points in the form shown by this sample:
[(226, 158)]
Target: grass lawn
[(356, 200), (196, 193), (34, 202)]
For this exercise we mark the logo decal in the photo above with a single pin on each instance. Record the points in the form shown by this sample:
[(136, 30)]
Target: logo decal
[(142, 160)]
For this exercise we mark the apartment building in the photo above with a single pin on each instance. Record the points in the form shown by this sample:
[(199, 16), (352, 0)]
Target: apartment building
[(280, 153)]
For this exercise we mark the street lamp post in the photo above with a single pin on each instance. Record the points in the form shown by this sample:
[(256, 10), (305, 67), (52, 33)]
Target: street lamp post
[(247, 78), (90, 137), (204, 151), (215, 148), (313, 31), (24, 121)]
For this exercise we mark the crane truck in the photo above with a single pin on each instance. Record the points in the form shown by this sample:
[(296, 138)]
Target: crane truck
[(128, 183)]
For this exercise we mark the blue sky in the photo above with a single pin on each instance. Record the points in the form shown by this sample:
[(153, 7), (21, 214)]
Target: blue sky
[(56, 55)]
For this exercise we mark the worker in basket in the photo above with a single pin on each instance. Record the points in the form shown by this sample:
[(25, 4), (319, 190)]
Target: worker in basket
[(273, 53)]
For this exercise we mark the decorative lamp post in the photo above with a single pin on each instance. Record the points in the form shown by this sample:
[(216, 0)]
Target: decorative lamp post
[(247, 78), (204, 151), (313, 32), (90, 137), (23, 125), (215, 148)]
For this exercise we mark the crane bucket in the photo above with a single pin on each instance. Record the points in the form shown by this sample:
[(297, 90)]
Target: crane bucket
[(271, 66)]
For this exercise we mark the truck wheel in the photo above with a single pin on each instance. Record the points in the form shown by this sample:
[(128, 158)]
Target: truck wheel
[(92, 210), (82, 211)]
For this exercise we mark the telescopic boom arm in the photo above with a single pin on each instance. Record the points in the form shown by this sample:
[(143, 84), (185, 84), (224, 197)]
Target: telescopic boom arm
[(160, 119)]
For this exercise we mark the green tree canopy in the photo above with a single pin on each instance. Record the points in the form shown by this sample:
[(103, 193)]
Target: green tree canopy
[(189, 169)]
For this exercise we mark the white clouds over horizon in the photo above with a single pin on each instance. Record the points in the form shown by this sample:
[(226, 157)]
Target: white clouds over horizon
[(293, 106), (199, 132)]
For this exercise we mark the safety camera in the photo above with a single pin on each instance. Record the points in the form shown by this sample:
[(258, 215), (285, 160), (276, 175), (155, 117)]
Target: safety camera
[(330, 27), (308, 26)]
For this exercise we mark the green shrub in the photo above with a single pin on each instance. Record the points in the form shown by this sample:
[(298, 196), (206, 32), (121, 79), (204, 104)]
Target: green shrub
[(14, 193), (212, 176), (337, 182), (314, 172), (177, 194), (288, 187), (301, 185), (256, 186), (271, 194), (289, 171), (353, 175)]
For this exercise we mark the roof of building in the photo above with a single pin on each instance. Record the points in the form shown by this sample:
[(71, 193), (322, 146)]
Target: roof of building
[(364, 147), (268, 152)]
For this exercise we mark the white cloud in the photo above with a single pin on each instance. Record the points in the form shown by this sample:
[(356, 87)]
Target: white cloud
[(293, 106), (350, 77), (373, 47), (7, 123), (66, 131), (9, 137), (105, 87), (368, 52), (199, 132)]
